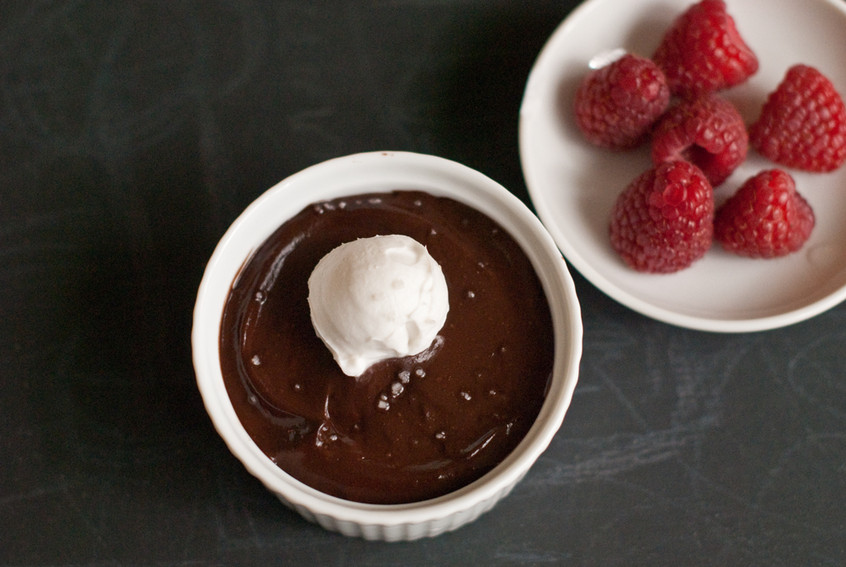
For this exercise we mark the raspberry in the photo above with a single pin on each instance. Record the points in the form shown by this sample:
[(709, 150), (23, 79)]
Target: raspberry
[(802, 123), (663, 221), (765, 218), (702, 51), (617, 104), (707, 131)]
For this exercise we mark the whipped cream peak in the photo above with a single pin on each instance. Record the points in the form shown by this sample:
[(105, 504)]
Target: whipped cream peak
[(377, 298)]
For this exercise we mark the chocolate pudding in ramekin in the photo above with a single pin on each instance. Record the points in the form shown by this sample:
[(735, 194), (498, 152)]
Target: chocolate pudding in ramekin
[(413, 445)]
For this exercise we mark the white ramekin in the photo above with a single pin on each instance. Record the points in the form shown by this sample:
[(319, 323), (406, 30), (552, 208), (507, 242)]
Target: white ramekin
[(382, 172)]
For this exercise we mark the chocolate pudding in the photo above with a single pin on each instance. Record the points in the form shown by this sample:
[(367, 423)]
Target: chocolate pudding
[(407, 429)]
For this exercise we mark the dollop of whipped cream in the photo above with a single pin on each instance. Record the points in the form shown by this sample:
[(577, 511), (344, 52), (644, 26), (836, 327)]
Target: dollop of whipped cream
[(377, 298)]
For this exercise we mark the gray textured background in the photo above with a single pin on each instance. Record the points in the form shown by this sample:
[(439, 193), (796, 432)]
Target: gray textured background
[(133, 133)]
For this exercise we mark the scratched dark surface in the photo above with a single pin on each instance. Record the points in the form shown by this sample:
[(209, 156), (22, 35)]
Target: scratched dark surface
[(133, 133)]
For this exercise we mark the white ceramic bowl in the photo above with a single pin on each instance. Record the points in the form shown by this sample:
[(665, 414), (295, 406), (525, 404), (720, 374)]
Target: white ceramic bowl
[(362, 173), (573, 185)]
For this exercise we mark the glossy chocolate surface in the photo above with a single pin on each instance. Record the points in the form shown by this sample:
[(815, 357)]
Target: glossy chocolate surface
[(408, 429)]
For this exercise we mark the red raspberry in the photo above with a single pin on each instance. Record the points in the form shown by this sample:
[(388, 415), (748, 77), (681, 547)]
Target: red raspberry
[(802, 123), (703, 51), (707, 131), (663, 221), (617, 104), (765, 218)]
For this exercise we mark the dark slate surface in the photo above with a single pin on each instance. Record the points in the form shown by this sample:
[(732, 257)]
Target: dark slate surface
[(133, 133)]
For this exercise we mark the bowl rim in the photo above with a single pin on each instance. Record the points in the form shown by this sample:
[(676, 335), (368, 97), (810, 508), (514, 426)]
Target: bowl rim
[(383, 171)]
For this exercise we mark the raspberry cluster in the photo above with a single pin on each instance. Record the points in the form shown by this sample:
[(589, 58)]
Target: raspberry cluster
[(664, 220)]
